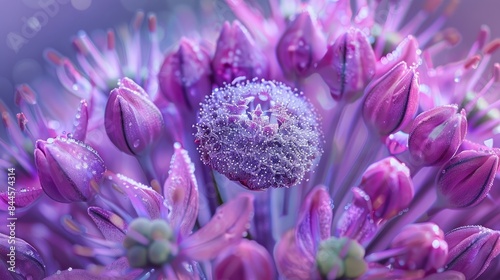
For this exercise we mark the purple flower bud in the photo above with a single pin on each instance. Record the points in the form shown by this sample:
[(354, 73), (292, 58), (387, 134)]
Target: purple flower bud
[(436, 135), (422, 247), (132, 121), (392, 100), (466, 179), (261, 134), (67, 169), (472, 248), (389, 186), (302, 45), (184, 76), (237, 55), (247, 260), (348, 66)]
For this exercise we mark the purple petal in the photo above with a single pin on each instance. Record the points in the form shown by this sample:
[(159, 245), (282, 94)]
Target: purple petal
[(81, 122), (77, 274), (24, 196), (315, 219), (27, 263), (181, 192), (227, 226), (447, 275), (146, 201), (120, 268), (357, 222), (291, 260), (111, 225)]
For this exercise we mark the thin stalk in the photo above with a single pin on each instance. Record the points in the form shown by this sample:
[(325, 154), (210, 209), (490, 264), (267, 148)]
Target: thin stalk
[(329, 158), (366, 155)]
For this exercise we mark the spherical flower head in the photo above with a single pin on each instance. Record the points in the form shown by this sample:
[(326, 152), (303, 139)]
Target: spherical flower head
[(260, 133)]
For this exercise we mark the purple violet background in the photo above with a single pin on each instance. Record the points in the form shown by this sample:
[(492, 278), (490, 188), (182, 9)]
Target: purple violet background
[(90, 15)]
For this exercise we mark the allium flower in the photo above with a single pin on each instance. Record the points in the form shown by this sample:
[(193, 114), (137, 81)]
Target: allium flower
[(160, 242), (259, 133), (366, 117)]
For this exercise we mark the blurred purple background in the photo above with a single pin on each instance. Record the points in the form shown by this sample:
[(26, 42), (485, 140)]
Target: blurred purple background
[(25, 63)]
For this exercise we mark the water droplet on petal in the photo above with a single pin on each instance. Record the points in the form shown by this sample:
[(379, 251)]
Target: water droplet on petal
[(136, 143)]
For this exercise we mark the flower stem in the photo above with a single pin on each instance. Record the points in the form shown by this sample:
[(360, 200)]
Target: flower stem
[(148, 168), (329, 159)]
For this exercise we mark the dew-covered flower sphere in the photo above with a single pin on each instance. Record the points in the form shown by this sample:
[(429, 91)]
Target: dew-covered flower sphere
[(261, 133)]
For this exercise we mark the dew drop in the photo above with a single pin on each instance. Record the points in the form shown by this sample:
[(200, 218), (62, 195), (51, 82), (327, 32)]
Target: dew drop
[(136, 143)]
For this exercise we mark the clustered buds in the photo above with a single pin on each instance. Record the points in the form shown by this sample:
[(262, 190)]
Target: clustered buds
[(391, 100), (348, 65), (471, 250), (261, 134), (466, 179), (67, 169), (149, 243), (132, 121), (237, 55), (436, 135), (185, 75), (339, 258)]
